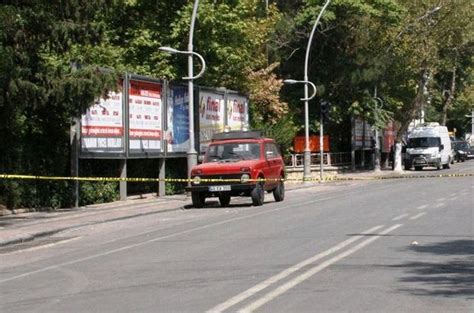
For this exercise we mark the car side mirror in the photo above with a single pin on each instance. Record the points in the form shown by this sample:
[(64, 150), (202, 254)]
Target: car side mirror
[(269, 153), (441, 147)]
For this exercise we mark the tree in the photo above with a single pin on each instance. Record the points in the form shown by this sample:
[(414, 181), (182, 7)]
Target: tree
[(40, 92)]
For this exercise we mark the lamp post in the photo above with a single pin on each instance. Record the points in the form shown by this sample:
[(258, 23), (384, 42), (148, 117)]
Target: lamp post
[(192, 153), (307, 151)]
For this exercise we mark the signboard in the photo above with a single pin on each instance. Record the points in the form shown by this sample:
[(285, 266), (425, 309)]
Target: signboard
[(211, 116), (361, 134), (389, 134), (102, 126), (299, 144), (145, 121), (237, 111), (177, 134)]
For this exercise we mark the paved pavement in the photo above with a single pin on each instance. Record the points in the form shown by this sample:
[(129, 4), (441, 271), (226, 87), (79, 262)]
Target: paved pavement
[(21, 227)]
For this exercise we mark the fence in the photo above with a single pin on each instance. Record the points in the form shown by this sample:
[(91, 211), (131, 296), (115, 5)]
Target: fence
[(329, 159)]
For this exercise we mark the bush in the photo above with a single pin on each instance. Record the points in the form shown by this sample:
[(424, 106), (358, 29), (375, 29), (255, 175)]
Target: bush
[(98, 192)]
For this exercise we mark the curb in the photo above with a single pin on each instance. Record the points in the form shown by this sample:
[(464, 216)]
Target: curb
[(32, 236)]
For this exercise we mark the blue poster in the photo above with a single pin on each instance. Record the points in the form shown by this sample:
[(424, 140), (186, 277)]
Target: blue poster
[(178, 120)]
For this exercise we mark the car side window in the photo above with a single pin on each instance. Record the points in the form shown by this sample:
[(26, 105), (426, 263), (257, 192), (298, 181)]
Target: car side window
[(271, 151)]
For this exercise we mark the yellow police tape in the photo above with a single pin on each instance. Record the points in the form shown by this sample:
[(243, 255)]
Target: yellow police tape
[(202, 180)]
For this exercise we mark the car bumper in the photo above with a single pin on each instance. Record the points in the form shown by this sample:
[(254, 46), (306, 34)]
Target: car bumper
[(425, 161), (233, 188)]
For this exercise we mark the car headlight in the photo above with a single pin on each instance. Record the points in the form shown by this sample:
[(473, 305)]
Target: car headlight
[(196, 180), (244, 178), (434, 154)]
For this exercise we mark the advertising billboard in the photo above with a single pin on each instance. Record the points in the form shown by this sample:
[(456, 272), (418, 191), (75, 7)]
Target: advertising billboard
[(211, 116), (102, 126), (362, 134), (145, 117), (237, 111), (177, 134)]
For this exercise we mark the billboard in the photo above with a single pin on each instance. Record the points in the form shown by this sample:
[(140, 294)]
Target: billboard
[(211, 116), (237, 111), (145, 117), (102, 126), (362, 134), (177, 134)]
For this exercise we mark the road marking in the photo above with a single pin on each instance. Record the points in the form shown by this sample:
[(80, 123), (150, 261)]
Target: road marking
[(274, 279), (308, 274), (421, 207), (399, 217), (417, 216), (439, 205), (441, 199)]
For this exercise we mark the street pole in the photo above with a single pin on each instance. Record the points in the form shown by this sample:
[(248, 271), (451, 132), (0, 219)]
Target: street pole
[(321, 148), (192, 153), (307, 151)]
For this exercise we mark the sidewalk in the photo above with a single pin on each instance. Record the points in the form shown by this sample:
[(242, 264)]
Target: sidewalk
[(26, 226)]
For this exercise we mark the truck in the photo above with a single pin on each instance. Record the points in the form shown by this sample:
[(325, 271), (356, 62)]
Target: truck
[(428, 145)]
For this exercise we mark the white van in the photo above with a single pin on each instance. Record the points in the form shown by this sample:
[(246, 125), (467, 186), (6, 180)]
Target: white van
[(428, 145)]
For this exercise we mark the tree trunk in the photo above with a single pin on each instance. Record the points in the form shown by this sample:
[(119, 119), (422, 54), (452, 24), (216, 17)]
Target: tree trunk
[(415, 107), (448, 98)]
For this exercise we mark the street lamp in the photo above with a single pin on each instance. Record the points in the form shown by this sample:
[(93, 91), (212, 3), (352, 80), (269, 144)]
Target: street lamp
[(192, 153), (307, 151)]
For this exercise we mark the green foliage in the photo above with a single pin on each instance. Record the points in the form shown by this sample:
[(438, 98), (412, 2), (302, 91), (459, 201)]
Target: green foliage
[(98, 192)]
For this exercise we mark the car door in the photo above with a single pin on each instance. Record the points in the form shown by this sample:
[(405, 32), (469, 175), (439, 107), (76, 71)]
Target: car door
[(273, 158)]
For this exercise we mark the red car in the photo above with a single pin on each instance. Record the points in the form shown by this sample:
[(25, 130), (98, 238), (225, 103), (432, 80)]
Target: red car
[(238, 163)]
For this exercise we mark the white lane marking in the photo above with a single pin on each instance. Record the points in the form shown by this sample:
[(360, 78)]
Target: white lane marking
[(439, 205), (453, 194), (441, 199), (272, 280), (452, 198), (417, 216), (308, 274), (421, 207), (400, 217)]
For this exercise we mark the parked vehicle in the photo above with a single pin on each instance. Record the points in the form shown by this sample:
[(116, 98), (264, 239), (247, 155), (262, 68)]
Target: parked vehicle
[(461, 150), (428, 145), (238, 163)]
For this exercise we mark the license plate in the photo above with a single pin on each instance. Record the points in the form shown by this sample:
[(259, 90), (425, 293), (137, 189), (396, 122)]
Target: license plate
[(220, 188), (420, 162)]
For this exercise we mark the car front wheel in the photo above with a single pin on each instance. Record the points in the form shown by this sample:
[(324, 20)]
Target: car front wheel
[(198, 199)]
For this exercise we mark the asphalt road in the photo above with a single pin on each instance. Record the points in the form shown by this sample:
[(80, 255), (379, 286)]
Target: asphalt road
[(404, 245)]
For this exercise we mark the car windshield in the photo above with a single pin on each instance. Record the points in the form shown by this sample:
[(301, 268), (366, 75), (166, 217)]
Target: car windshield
[(424, 142), (233, 152), (461, 146)]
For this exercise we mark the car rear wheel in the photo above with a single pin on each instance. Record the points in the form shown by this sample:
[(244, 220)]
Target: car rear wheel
[(407, 166), (258, 195), (224, 200), (279, 191), (198, 199), (418, 168)]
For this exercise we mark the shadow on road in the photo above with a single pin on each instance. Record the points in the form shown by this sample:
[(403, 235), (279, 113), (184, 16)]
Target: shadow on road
[(451, 276)]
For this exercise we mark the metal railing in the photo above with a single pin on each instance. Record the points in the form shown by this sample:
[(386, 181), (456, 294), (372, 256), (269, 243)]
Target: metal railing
[(329, 159)]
